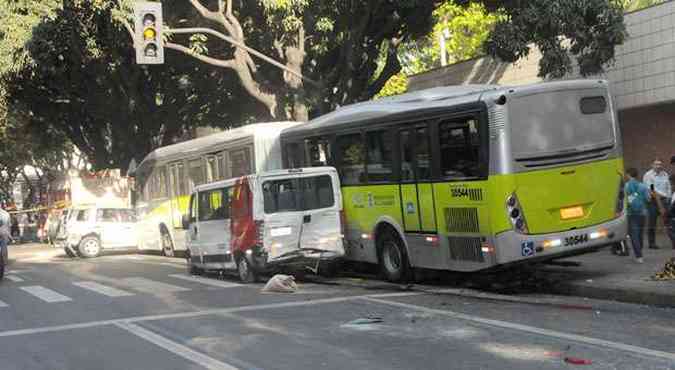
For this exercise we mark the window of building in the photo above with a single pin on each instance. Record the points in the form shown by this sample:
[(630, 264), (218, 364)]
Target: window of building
[(352, 163), (460, 149), (380, 166)]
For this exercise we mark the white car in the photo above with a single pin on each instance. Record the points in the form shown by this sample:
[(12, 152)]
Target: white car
[(91, 230)]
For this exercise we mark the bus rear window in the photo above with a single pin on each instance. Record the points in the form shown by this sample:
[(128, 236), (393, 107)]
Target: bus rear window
[(298, 194), (593, 105)]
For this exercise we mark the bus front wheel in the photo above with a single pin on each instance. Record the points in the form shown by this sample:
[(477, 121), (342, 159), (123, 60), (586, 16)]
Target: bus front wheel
[(393, 258)]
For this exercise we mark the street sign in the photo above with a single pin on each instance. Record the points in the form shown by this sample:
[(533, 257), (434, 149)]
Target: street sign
[(148, 37)]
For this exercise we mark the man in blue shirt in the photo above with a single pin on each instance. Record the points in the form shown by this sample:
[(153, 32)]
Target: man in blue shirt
[(638, 198)]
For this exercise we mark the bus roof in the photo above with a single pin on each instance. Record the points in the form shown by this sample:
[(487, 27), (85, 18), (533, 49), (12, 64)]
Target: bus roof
[(428, 99), (213, 142)]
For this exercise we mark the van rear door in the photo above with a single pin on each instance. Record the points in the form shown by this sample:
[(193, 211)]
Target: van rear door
[(302, 214)]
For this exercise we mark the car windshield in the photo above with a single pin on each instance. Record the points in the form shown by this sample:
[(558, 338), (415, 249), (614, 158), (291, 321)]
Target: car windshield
[(298, 194)]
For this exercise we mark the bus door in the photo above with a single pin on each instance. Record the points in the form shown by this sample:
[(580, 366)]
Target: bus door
[(417, 198)]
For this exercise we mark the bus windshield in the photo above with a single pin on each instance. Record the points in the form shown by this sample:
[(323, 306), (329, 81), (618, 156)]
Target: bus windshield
[(558, 122)]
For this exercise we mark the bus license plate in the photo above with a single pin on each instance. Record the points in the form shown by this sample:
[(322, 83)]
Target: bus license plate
[(572, 212), (576, 240)]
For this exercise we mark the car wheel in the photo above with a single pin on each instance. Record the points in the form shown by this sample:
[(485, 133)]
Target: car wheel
[(167, 245), (393, 258), (245, 271), (90, 247)]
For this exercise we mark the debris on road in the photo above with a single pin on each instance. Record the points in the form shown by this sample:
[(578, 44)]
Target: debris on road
[(578, 361), (281, 284), (366, 321), (668, 272)]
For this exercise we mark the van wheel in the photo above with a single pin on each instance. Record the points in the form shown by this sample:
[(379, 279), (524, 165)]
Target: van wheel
[(90, 247), (393, 258), (167, 244), (245, 271), (191, 268)]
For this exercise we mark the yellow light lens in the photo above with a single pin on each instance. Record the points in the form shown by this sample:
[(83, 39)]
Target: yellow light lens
[(149, 33), (572, 212)]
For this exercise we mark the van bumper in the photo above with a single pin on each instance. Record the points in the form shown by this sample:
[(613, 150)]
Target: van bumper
[(299, 259), (514, 247)]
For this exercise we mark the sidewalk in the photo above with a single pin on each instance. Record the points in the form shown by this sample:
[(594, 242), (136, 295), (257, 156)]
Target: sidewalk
[(603, 275)]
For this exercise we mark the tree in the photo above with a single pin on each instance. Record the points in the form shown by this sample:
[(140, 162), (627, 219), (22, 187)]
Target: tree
[(633, 5), (587, 30)]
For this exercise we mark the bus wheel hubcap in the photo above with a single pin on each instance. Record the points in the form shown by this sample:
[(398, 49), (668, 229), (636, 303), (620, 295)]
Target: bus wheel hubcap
[(392, 257)]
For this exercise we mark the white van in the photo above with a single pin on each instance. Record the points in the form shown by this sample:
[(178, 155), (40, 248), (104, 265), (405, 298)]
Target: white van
[(266, 222)]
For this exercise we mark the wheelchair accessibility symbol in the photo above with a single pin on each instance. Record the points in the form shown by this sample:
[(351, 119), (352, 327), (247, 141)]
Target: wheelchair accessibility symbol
[(527, 249)]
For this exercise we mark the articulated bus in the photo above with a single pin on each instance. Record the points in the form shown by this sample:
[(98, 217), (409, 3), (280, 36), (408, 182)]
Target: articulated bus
[(166, 177), (473, 177)]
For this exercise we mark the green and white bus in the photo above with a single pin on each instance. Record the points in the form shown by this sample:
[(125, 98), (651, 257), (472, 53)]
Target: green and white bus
[(166, 177), (472, 177)]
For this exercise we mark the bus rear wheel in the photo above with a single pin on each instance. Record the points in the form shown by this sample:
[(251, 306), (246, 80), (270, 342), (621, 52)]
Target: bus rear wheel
[(167, 244), (394, 263)]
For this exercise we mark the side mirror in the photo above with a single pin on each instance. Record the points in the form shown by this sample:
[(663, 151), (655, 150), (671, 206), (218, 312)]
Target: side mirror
[(186, 222)]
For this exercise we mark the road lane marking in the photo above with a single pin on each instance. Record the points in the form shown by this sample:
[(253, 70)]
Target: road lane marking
[(3, 304), (530, 329), (176, 348), (206, 281), (45, 294), (16, 279), (150, 286), (102, 289), (190, 314)]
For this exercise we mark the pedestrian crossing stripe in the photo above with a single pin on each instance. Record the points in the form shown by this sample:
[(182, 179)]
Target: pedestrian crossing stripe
[(102, 289), (150, 286), (45, 294), (14, 278), (205, 281)]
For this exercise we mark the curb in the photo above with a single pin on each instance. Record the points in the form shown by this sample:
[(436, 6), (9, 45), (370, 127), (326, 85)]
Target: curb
[(615, 294)]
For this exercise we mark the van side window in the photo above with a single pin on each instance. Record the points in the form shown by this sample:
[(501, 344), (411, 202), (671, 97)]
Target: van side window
[(214, 205)]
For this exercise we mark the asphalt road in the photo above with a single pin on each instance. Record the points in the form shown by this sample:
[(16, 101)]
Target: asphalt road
[(144, 312)]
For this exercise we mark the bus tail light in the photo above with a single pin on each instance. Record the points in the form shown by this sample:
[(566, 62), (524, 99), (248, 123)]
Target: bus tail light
[(620, 199), (515, 214)]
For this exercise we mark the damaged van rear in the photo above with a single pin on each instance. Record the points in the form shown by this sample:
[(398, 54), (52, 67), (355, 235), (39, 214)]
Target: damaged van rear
[(267, 222)]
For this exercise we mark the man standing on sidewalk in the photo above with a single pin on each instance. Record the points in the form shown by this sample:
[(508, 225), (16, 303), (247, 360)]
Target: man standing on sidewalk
[(5, 221), (657, 180), (638, 198)]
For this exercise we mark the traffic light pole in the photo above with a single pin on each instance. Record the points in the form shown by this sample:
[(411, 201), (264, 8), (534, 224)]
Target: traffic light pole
[(238, 44)]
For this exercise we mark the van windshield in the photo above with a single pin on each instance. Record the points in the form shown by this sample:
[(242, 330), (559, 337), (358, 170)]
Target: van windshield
[(298, 194)]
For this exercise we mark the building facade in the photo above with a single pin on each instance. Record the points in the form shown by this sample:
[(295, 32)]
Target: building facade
[(642, 81)]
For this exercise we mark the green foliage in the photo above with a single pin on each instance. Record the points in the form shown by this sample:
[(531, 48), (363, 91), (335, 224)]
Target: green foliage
[(588, 30), (396, 85), (633, 5)]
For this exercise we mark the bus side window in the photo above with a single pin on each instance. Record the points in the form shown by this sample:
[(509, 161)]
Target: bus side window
[(422, 154), (319, 152), (380, 166), (407, 173), (460, 149), (352, 159), (193, 208), (294, 155)]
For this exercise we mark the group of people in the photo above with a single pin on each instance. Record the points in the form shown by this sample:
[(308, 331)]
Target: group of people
[(650, 200)]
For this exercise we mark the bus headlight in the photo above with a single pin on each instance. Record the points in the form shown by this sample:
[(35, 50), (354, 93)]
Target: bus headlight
[(515, 214)]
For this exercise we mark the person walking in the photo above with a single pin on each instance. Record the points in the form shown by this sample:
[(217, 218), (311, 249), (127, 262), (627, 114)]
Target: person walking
[(5, 221), (638, 198), (669, 218), (657, 180)]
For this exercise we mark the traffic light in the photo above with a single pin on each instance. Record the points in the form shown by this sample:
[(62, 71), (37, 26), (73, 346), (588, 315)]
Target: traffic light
[(148, 19)]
